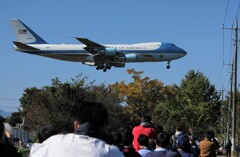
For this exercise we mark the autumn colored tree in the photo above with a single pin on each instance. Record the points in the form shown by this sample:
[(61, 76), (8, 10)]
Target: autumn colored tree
[(140, 96)]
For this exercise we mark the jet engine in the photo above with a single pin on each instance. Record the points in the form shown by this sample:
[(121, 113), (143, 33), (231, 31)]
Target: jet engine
[(131, 57), (109, 51)]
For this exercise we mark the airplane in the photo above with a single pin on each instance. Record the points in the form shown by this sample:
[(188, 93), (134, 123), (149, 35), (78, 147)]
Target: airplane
[(103, 56)]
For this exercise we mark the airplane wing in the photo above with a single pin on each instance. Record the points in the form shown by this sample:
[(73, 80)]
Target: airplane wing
[(90, 43), (91, 46), (104, 57)]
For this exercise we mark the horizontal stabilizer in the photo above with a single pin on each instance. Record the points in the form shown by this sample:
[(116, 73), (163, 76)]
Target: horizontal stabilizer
[(24, 46)]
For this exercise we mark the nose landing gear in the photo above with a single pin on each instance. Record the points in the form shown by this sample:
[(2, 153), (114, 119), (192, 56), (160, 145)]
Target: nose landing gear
[(168, 65)]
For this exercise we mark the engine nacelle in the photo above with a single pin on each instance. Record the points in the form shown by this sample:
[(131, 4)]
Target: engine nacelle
[(119, 65), (110, 51), (131, 57), (120, 59)]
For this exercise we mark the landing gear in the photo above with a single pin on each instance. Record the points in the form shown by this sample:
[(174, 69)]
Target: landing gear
[(104, 67), (168, 64)]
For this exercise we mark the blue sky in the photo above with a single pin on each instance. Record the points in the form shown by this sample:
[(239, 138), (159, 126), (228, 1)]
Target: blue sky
[(195, 26)]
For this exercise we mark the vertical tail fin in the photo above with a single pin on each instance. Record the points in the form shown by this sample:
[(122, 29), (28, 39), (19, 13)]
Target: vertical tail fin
[(24, 34)]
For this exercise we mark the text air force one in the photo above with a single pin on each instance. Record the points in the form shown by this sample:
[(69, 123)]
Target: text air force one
[(103, 56)]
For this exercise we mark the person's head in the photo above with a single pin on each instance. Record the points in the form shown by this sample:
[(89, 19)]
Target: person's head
[(90, 112), (146, 118), (117, 138), (2, 119), (162, 140), (183, 142), (20, 142), (1, 132), (159, 128), (127, 138), (143, 140), (46, 132), (152, 144), (210, 134), (179, 128)]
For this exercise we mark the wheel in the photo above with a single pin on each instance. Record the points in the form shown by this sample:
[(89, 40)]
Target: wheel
[(168, 67), (104, 70), (108, 67)]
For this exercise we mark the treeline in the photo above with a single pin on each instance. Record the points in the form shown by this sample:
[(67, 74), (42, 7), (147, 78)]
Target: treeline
[(194, 103)]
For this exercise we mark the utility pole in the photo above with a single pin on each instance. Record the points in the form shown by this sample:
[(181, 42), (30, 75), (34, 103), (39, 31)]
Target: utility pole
[(235, 89), (230, 102), (234, 96)]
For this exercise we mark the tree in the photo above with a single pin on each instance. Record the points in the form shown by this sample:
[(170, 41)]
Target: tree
[(197, 92), (140, 96), (55, 104), (15, 118), (196, 103)]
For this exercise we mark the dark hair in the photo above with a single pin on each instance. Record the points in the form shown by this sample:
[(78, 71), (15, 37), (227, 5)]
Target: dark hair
[(146, 118), (159, 128), (1, 132), (46, 132), (143, 140), (179, 127), (163, 140), (2, 119), (117, 138), (127, 138), (210, 134), (92, 112)]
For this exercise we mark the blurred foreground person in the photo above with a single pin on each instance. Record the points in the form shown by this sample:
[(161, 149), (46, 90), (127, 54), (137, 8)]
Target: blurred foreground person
[(209, 145), (6, 149), (88, 140)]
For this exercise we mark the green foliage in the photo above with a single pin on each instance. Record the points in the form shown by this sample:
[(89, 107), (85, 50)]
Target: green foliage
[(195, 103), (15, 118), (54, 104), (23, 151)]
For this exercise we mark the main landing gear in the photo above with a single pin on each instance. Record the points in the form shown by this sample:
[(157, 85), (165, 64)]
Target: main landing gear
[(168, 65), (104, 67)]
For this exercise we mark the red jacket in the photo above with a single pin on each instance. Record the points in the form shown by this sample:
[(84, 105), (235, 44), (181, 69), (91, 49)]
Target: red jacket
[(137, 130)]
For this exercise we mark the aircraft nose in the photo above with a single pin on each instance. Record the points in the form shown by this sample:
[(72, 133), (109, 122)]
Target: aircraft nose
[(183, 52)]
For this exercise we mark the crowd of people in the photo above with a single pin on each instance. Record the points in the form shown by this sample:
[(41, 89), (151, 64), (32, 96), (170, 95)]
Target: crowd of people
[(90, 139)]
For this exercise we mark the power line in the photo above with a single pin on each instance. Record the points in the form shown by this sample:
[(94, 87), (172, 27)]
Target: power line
[(226, 12), (236, 13)]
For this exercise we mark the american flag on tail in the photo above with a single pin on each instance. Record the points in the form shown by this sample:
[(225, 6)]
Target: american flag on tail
[(22, 31)]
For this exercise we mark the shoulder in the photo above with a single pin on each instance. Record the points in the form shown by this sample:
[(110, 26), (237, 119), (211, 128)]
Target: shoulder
[(143, 152), (68, 145), (162, 153)]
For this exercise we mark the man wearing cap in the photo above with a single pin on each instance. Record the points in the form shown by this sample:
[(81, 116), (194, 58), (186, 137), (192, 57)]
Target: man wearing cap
[(144, 128)]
